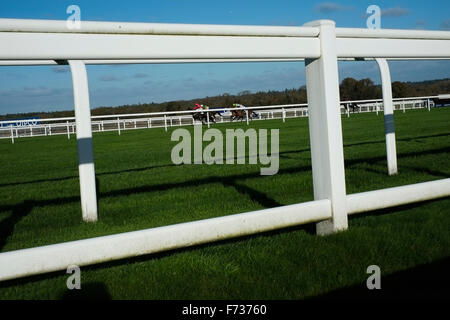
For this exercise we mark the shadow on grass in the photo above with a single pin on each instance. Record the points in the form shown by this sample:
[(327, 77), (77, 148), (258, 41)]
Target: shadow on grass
[(402, 155), (88, 291), (97, 174), (98, 291), (397, 139), (21, 210), (284, 154), (7, 225), (257, 196), (428, 281), (396, 209)]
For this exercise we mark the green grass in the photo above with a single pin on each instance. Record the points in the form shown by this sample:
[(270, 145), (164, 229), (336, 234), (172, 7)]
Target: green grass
[(140, 188)]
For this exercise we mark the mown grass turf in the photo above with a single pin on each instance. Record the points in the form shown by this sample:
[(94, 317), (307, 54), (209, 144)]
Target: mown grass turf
[(139, 187)]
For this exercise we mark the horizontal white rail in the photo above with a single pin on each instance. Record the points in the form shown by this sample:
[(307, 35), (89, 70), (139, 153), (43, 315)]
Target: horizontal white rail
[(391, 48), (26, 262), (385, 198), (172, 61), (53, 40), (41, 46), (139, 61), (100, 27), (391, 34), (37, 46)]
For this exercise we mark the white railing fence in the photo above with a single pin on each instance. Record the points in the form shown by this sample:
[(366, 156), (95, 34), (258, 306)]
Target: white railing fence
[(121, 122), (320, 43)]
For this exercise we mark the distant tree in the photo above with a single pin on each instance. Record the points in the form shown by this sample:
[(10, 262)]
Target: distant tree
[(349, 88), (400, 89), (171, 106), (353, 89)]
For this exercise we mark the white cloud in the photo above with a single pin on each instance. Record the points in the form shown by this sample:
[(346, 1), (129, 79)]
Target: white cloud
[(395, 12), (108, 77), (420, 24), (35, 98), (140, 75), (60, 69), (329, 7), (33, 92), (445, 25)]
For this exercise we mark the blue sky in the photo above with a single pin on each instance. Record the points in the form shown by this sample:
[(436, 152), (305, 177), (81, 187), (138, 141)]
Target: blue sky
[(49, 88)]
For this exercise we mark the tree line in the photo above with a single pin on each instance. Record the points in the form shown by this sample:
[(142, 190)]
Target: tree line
[(350, 89)]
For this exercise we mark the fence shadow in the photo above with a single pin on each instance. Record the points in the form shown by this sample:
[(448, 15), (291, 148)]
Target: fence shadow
[(21, 210), (96, 174), (285, 154), (255, 195), (88, 291), (428, 281), (98, 291), (7, 225)]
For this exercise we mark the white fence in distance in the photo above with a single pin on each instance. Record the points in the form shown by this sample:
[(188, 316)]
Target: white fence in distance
[(13, 129)]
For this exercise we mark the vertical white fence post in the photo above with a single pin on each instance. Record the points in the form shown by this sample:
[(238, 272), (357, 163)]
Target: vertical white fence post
[(327, 154), (428, 104), (246, 116), (12, 134), (389, 128), (118, 126), (284, 115), (84, 140), (68, 130)]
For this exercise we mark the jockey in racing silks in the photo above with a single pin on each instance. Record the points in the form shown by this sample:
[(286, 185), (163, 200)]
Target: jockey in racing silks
[(198, 107), (238, 105)]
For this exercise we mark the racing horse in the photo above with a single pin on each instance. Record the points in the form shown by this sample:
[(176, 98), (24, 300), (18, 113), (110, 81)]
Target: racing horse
[(241, 114), (352, 107), (203, 116)]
